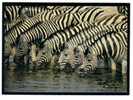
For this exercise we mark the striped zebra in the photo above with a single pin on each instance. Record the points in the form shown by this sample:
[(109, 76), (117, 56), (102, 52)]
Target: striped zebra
[(46, 29), (94, 12), (80, 38), (110, 46), (119, 22), (31, 11), (88, 65), (70, 59), (54, 44), (13, 12), (77, 35), (88, 34), (17, 30), (27, 24)]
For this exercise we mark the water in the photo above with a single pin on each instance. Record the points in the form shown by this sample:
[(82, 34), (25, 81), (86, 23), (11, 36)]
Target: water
[(51, 81)]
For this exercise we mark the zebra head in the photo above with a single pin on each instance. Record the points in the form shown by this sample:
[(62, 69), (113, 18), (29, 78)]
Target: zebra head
[(88, 66), (70, 58), (66, 59), (44, 57)]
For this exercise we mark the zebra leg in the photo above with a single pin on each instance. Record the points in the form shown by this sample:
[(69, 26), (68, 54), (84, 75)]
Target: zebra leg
[(12, 65), (33, 53), (9, 61), (124, 66), (113, 65), (117, 69), (32, 57)]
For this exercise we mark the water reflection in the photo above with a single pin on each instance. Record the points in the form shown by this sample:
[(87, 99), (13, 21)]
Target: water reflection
[(50, 81)]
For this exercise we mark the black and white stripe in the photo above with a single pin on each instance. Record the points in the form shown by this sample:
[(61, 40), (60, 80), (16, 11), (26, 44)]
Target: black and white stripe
[(123, 10)]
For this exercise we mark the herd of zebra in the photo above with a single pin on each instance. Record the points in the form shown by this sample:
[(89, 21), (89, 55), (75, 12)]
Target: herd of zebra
[(72, 37)]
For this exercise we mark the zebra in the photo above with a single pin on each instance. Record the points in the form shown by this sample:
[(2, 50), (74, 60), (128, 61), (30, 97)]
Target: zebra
[(82, 33), (16, 31), (46, 31), (13, 12), (27, 24), (80, 38), (97, 31), (88, 65), (93, 11), (54, 43), (70, 58), (110, 46), (90, 13), (120, 22)]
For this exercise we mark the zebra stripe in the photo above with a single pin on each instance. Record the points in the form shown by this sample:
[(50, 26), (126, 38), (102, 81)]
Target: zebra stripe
[(11, 13), (9, 25), (108, 45), (119, 21), (96, 32), (123, 10)]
